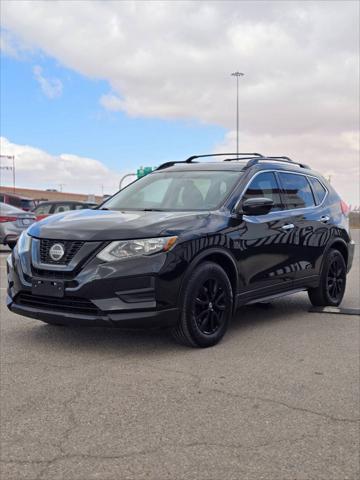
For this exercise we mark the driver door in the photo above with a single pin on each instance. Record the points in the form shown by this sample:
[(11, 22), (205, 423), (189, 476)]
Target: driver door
[(266, 243)]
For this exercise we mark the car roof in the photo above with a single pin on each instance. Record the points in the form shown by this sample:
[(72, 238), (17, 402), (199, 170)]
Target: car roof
[(13, 195)]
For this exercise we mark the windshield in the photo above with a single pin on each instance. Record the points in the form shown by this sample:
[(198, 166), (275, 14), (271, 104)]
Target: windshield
[(190, 190)]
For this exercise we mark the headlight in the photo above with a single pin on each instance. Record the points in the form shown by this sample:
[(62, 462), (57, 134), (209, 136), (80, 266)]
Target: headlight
[(135, 248), (24, 243)]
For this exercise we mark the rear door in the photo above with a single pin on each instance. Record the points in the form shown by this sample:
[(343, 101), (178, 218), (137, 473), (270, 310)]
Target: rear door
[(266, 247), (304, 205)]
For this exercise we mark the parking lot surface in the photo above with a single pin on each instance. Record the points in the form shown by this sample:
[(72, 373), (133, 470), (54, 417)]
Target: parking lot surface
[(277, 399)]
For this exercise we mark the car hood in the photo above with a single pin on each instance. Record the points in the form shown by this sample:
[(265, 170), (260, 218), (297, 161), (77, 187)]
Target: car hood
[(95, 225)]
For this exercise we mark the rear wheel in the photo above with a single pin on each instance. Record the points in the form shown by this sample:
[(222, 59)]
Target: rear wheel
[(206, 310), (332, 284)]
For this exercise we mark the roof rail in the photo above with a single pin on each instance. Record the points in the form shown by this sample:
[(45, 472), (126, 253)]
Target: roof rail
[(254, 161), (190, 159), (246, 156), (193, 157)]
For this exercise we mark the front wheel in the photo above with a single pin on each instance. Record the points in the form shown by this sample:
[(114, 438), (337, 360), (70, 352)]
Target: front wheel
[(207, 305), (332, 284)]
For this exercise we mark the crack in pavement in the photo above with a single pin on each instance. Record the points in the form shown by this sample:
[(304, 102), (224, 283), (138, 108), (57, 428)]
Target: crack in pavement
[(234, 446), (199, 379), (284, 404)]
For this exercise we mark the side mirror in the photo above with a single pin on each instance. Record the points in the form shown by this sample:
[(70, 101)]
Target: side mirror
[(256, 206)]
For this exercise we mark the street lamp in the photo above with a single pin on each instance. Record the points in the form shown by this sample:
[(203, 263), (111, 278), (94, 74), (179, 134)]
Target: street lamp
[(237, 75)]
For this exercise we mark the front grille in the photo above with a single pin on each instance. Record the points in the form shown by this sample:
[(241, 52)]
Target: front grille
[(71, 248), (75, 305), (57, 274)]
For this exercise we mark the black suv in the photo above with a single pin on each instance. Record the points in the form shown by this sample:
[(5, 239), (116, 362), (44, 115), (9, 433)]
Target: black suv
[(185, 246)]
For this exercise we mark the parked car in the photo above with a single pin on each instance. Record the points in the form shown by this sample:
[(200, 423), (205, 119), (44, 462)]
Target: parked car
[(12, 223), (44, 209), (185, 246), (24, 203)]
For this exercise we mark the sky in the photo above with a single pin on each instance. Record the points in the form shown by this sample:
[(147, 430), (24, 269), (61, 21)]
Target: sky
[(92, 90)]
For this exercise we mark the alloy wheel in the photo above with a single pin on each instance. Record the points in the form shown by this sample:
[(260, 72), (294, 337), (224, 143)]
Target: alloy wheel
[(336, 280), (209, 306)]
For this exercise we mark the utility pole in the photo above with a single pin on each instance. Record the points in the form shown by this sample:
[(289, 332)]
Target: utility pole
[(237, 75)]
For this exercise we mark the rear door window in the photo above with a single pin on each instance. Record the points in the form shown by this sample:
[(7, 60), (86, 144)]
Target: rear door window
[(265, 185), (318, 189), (43, 209), (297, 191), (62, 207)]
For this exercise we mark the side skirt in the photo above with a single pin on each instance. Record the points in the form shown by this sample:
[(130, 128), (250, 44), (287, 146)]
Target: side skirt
[(254, 296)]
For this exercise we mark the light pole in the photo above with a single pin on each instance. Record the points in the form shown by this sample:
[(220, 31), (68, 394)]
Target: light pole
[(237, 75), (124, 177)]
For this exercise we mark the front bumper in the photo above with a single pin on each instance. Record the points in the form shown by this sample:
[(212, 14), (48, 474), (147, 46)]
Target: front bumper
[(139, 293), (141, 319)]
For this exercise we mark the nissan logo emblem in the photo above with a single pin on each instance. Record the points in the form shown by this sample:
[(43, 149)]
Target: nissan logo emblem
[(56, 252)]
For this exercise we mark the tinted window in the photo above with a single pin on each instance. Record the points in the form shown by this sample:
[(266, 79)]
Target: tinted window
[(265, 185), (62, 207), (43, 209), (28, 204), (297, 190), (15, 201), (318, 189), (176, 190), (80, 206)]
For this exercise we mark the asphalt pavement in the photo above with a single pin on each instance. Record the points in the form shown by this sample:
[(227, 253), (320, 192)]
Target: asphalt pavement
[(277, 399)]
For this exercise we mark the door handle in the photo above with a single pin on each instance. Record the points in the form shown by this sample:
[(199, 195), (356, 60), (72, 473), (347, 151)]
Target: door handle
[(288, 226), (324, 219)]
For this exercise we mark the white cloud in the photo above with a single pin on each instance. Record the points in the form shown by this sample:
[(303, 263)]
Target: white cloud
[(336, 157), (173, 60), (37, 168), (51, 87), (111, 102)]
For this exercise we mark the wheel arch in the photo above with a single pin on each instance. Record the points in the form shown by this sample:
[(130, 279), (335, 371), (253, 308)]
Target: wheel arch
[(220, 257), (340, 244)]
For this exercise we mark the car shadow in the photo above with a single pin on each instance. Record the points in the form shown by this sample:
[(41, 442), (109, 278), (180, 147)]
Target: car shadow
[(107, 340)]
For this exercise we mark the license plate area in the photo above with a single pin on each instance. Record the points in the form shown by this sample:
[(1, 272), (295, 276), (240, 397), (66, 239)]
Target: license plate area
[(27, 221), (48, 288)]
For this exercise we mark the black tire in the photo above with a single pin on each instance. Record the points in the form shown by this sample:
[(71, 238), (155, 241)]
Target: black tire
[(206, 308), (332, 284)]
